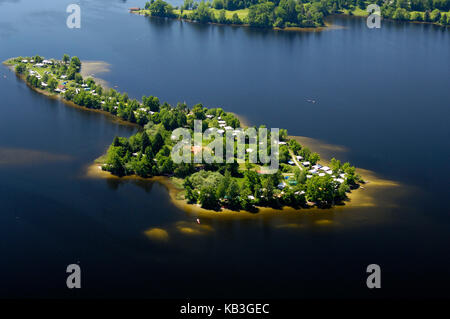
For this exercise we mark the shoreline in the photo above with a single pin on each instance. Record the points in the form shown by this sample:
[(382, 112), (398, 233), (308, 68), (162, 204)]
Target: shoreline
[(113, 118), (362, 197), (91, 68), (94, 170), (326, 27)]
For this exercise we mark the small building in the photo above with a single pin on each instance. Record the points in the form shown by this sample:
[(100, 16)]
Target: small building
[(306, 163), (291, 162)]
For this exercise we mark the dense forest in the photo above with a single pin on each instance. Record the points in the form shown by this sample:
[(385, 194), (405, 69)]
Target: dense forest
[(148, 153), (296, 13)]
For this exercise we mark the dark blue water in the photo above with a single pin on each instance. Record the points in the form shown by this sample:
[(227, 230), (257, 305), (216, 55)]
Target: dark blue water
[(383, 94)]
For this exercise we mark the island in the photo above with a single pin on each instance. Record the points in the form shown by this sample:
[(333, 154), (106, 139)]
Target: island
[(300, 180), (295, 14)]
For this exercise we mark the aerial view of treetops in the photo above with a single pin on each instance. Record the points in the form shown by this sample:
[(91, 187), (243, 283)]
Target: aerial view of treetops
[(294, 14), (300, 182)]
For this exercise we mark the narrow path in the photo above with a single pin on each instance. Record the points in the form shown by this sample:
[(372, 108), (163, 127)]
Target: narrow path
[(294, 158)]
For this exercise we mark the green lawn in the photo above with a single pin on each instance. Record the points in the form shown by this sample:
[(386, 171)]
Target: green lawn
[(358, 12)]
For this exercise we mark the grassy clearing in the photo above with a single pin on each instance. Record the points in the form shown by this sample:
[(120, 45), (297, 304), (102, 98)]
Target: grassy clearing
[(357, 12)]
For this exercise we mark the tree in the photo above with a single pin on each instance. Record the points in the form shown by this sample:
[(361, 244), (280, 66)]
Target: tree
[(183, 170), (252, 181), (131, 117), (427, 16), (218, 4), (116, 141), (232, 194), (416, 16), (342, 190), (222, 17), (223, 185), (300, 176), (114, 161), (145, 141), (157, 142), (199, 112), (75, 62), (52, 84), (152, 102), (235, 19), (401, 14), (20, 68), (65, 58), (320, 189), (203, 13), (143, 167), (78, 78), (160, 8), (208, 198), (443, 20), (245, 200), (435, 15), (314, 158), (335, 165), (261, 15)]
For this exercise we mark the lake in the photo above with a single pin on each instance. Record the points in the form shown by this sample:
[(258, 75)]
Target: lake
[(382, 102)]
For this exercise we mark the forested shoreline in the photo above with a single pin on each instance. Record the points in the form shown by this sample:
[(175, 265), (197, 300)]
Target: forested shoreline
[(296, 13), (300, 181)]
